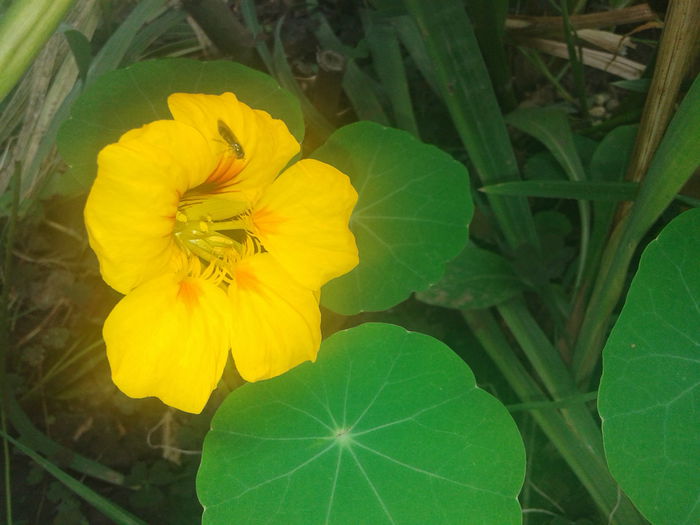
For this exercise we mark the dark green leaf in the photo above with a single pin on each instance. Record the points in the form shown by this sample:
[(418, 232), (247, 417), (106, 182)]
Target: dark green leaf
[(651, 380), (638, 85), (551, 127), (610, 158), (543, 165), (387, 427), (561, 189), (80, 47), (476, 278), (411, 217)]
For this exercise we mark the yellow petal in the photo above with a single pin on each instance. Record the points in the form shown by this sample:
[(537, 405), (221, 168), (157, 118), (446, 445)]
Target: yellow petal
[(169, 338), (130, 212), (253, 146), (302, 220), (276, 322)]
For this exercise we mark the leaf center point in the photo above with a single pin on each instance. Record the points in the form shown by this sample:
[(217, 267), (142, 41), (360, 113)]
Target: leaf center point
[(343, 436)]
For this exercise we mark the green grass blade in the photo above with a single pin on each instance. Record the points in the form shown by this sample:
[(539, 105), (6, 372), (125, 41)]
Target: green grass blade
[(151, 32), (42, 443), (575, 59), (388, 64), (113, 511), (318, 125), (464, 85), (412, 40), (250, 18), (588, 465), (112, 53), (360, 88), (489, 18), (548, 405), (608, 164), (555, 189), (677, 158)]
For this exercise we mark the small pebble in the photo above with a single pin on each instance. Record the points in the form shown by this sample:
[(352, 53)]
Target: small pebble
[(597, 112), (601, 98)]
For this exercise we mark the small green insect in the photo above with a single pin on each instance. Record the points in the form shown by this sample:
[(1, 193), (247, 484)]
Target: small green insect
[(230, 139)]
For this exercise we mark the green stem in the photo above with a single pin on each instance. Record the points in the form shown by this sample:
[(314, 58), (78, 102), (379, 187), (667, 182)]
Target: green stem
[(548, 405), (24, 28), (110, 509), (251, 20), (588, 466), (574, 58), (673, 164), (535, 59), (548, 364)]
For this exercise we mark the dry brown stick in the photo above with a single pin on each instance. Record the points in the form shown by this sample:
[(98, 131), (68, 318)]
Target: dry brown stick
[(540, 25), (609, 62), (677, 51)]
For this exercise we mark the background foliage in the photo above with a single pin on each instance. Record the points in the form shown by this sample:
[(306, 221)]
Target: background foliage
[(550, 129)]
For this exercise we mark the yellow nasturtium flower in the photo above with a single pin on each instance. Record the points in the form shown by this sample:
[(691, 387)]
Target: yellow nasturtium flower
[(213, 248)]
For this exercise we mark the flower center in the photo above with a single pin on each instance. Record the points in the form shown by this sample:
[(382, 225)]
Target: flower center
[(215, 229)]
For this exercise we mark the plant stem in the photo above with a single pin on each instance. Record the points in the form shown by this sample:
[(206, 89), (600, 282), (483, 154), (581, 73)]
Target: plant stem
[(549, 405), (110, 509), (534, 57), (588, 466), (674, 163), (676, 52), (575, 59), (24, 28)]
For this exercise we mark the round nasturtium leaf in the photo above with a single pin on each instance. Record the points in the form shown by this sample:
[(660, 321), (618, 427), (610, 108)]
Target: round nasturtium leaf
[(649, 396), (412, 215), (387, 427), (128, 98)]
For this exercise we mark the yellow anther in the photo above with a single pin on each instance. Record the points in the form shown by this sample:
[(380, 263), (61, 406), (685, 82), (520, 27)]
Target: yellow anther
[(180, 217), (203, 226)]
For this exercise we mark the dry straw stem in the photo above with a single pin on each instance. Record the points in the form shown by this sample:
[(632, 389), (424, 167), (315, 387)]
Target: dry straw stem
[(606, 40), (552, 25), (677, 51), (611, 63)]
